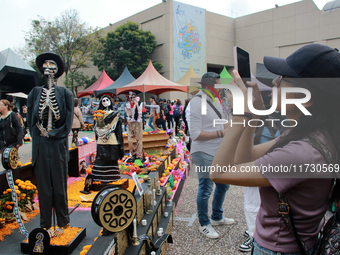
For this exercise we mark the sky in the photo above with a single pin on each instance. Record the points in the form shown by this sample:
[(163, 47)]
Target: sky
[(16, 15)]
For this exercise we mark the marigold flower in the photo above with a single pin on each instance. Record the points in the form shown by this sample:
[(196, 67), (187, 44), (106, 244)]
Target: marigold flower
[(7, 203), (9, 207), (9, 190), (17, 181), (87, 247)]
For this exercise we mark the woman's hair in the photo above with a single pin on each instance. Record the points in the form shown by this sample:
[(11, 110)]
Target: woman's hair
[(157, 102), (186, 102), (76, 102), (325, 118), (8, 104), (259, 130), (178, 102)]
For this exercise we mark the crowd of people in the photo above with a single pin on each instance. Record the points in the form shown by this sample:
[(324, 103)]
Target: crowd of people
[(159, 114)]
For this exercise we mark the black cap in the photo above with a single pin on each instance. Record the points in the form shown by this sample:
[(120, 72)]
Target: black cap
[(310, 61), (211, 75), (50, 55)]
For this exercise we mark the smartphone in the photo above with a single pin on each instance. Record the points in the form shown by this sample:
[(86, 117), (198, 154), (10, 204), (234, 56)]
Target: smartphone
[(242, 64)]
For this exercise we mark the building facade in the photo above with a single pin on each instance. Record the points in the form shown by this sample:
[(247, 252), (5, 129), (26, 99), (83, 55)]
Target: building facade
[(275, 32)]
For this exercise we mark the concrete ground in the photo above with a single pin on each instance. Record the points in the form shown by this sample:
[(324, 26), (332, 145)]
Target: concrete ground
[(186, 237)]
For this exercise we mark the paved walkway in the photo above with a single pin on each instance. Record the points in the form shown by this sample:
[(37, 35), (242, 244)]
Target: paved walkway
[(188, 240)]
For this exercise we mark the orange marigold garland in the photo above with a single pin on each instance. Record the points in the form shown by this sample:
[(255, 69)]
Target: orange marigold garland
[(7, 229)]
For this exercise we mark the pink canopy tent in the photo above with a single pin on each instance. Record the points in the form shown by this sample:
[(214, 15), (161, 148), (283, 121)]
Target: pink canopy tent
[(152, 81), (103, 81)]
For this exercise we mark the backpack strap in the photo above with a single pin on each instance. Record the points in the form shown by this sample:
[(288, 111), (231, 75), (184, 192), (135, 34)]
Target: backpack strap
[(283, 206), (212, 106)]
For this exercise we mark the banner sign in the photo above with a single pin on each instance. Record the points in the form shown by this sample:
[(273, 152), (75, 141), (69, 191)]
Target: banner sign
[(189, 39)]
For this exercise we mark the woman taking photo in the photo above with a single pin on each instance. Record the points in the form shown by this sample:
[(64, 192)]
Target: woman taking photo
[(11, 133), (313, 141)]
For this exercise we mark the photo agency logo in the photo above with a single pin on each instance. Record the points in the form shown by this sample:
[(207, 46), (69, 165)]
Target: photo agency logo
[(238, 105)]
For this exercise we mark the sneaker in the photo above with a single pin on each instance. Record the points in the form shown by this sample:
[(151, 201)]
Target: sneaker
[(224, 221), (208, 231), (246, 234), (247, 245)]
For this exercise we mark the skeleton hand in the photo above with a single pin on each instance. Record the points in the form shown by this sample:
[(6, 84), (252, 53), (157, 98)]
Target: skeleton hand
[(43, 131), (104, 138)]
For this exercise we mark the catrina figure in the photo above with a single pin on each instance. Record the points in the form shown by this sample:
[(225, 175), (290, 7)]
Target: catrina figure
[(110, 144)]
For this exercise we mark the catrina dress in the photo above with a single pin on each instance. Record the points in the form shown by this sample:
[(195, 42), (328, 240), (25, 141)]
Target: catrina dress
[(110, 148)]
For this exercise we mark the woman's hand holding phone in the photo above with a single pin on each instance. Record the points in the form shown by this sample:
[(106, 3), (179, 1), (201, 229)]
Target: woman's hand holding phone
[(257, 97)]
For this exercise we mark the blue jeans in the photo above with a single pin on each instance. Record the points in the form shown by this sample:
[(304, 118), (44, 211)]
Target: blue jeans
[(205, 187), (172, 120), (259, 250), (150, 123)]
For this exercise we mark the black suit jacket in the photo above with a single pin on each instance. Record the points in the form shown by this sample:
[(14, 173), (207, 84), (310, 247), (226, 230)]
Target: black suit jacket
[(63, 126)]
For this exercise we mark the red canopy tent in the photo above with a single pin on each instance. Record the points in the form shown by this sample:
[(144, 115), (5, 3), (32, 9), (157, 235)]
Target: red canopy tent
[(152, 81), (103, 81)]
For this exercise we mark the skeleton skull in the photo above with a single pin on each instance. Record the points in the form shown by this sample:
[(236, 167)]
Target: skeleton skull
[(50, 67), (106, 102)]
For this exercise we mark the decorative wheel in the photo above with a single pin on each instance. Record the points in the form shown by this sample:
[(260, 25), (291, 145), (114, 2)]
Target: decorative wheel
[(114, 209), (10, 158)]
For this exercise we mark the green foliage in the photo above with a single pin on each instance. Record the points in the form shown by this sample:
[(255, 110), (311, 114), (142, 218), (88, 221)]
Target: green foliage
[(127, 46), (89, 82), (67, 36), (74, 80)]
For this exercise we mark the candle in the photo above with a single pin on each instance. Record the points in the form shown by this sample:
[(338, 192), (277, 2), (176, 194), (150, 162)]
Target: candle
[(135, 228)]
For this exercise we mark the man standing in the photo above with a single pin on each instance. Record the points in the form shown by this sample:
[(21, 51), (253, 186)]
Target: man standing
[(166, 108), (24, 118), (206, 138), (134, 119), (150, 123)]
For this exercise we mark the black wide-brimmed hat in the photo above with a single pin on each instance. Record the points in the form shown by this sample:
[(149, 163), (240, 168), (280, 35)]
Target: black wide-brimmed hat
[(50, 55)]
